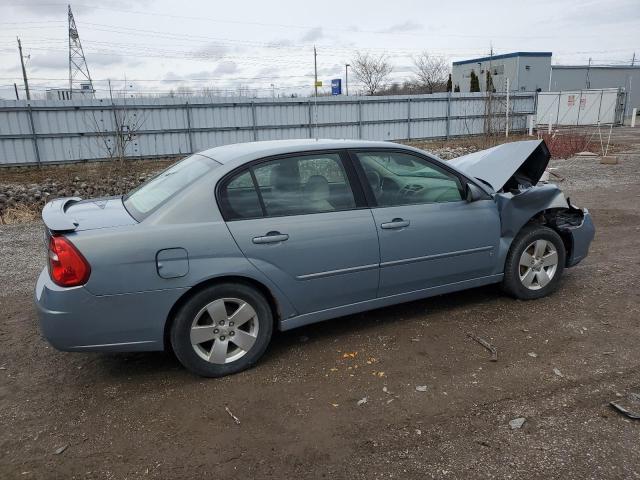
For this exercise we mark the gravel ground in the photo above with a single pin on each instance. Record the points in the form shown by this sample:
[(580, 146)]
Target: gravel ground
[(561, 360)]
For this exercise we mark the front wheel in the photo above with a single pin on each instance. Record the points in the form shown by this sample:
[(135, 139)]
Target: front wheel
[(534, 263), (221, 330)]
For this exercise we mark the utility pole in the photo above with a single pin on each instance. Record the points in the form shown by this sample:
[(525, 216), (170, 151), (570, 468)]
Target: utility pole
[(633, 59), (588, 83), (15, 87), (346, 77), (315, 70), (24, 72)]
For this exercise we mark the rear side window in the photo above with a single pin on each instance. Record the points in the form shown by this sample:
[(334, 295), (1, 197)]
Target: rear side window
[(288, 186), (141, 201)]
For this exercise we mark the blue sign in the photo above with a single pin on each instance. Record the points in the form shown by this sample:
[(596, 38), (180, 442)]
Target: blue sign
[(336, 86)]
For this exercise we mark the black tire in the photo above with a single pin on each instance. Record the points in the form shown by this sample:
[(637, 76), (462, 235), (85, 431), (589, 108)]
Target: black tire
[(511, 283), (184, 320)]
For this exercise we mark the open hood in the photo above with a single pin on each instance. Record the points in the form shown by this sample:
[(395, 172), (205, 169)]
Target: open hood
[(507, 166)]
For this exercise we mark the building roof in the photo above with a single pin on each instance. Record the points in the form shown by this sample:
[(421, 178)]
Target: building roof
[(504, 55), (612, 67)]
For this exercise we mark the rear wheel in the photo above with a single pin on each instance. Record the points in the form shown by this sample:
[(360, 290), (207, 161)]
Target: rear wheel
[(221, 330), (535, 263)]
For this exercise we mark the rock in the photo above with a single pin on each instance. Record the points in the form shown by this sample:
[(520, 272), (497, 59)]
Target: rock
[(362, 401), (517, 423), (421, 388), (558, 372), (533, 354), (61, 449)]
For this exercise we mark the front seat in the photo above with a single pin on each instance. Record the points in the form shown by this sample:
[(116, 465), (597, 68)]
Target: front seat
[(317, 194)]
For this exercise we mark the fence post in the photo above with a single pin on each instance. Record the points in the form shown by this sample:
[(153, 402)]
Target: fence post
[(189, 127), (254, 121), (310, 118), (558, 111), (448, 116), (408, 118), (579, 107), (34, 135), (600, 106), (360, 119)]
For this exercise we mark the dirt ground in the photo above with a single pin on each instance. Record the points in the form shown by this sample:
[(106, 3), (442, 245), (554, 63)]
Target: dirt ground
[(142, 416)]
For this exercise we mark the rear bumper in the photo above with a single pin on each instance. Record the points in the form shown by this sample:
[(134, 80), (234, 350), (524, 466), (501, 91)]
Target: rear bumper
[(581, 237), (72, 319)]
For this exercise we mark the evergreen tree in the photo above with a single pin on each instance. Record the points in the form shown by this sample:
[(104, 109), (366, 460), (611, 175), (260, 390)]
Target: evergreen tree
[(474, 83), (490, 87), (449, 84)]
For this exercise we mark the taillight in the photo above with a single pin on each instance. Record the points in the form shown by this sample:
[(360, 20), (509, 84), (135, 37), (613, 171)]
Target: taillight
[(67, 266)]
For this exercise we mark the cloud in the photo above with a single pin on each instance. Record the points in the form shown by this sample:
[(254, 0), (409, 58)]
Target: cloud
[(60, 10), (225, 68), (215, 50), (407, 26), (313, 35)]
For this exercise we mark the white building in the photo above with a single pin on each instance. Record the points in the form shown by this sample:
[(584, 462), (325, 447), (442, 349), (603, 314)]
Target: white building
[(526, 71), (85, 90)]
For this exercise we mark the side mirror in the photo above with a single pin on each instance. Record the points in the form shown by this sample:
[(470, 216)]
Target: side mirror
[(474, 193)]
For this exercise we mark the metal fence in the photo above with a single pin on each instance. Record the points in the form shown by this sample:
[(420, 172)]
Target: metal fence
[(581, 107), (49, 131)]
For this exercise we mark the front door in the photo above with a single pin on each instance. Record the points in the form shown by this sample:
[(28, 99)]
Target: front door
[(429, 235), (296, 218)]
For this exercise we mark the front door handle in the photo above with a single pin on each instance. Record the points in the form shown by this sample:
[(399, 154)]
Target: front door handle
[(395, 223), (271, 237)]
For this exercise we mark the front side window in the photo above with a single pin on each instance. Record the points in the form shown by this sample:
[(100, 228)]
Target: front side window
[(398, 178), (141, 201), (288, 186)]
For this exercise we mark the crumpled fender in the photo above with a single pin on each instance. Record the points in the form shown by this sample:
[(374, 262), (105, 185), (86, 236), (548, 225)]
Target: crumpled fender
[(516, 210)]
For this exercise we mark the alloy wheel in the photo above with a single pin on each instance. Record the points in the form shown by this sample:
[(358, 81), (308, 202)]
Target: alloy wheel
[(224, 330), (538, 264)]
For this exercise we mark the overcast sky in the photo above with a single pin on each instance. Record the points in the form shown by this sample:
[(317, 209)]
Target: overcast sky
[(161, 45)]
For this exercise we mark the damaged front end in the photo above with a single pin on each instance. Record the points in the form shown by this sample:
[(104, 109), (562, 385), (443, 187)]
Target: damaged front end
[(512, 171)]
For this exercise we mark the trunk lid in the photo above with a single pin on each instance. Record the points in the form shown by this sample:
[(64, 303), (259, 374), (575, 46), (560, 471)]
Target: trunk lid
[(74, 214), (508, 166)]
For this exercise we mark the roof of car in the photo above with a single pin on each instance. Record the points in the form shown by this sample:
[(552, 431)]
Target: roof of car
[(244, 152)]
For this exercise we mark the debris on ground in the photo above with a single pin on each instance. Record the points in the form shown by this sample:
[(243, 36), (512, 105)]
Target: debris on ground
[(487, 345), (362, 401), (517, 423), (235, 419), (533, 354), (629, 407), (558, 373), (61, 449), (421, 388)]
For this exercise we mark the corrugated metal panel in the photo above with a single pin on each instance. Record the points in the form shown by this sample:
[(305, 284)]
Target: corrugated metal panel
[(84, 129), (579, 107)]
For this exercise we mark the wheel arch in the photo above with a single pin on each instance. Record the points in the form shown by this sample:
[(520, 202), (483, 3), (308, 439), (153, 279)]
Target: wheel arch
[(244, 280), (549, 218)]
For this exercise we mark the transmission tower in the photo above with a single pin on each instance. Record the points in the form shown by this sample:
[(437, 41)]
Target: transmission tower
[(78, 69)]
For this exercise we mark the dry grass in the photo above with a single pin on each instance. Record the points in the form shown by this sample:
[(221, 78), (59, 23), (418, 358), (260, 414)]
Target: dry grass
[(20, 214)]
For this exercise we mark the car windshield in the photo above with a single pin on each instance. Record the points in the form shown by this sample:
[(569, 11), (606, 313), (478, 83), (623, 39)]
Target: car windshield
[(144, 199)]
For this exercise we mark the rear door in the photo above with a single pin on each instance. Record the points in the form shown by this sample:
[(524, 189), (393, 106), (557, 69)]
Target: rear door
[(429, 235), (302, 220)]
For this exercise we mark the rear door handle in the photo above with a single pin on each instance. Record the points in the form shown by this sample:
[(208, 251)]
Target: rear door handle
[(271, 237), (395, 223)]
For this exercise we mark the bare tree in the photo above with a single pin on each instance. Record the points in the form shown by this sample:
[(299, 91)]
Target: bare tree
[(116, 143), (372, 71), (431, 72)]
